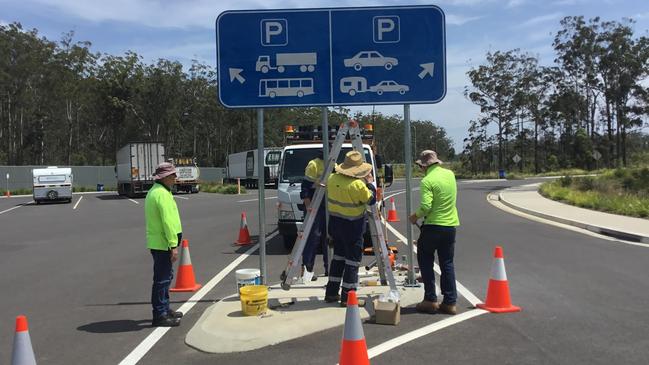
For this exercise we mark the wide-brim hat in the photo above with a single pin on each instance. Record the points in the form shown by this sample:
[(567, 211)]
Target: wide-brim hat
[(427, 158), (163, 170), (353, 166)]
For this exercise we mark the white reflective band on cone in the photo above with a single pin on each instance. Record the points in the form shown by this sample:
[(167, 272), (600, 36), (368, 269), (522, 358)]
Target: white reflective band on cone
[(498, 269)]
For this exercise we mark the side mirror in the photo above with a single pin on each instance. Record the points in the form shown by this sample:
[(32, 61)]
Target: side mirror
[(388, 175), (379, 161)]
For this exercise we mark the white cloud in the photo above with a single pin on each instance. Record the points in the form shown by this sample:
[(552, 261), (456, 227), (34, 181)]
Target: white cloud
[(452, 19), (541, 19), (641, 16), (515, 3)]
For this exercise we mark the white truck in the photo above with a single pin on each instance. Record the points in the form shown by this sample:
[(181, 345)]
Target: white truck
[(306, 62), (52, 183), (136, 164), (187, 175), (243, 166), (294, 160)]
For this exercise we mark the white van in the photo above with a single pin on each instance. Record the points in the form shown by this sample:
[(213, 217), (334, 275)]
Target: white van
[(52, 183)]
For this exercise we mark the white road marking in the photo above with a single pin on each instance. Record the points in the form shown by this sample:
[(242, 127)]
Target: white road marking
[(181, 197), (78, 201), (143, 348), (10, 209), (423, 331), (254, 200), (134, 201)]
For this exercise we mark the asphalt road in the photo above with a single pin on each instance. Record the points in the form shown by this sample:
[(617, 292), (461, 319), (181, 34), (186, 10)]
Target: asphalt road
[(83, 276)]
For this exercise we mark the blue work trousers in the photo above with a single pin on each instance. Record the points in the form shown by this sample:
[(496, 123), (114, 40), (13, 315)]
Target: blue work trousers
[(348, 253), (317, 238), (438, 239), (162, 276)]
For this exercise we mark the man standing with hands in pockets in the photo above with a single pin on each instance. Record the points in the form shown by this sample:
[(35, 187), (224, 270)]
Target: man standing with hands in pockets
[(438, 191)]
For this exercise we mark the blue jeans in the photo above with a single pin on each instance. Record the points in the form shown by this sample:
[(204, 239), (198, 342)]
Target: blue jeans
[(162, 276), (348, 253), (317, 237), (441, 239)]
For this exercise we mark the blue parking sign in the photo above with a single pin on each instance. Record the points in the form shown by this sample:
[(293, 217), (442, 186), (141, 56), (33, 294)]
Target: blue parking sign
[(336, 56)]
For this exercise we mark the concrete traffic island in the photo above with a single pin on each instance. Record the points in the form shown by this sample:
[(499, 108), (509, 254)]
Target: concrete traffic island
[(298, 312)]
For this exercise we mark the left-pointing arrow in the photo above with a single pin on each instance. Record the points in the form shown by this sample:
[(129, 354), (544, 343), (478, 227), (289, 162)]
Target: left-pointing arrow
[(235, 73)]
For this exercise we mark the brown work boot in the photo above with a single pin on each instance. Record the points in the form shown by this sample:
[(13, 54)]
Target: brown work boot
[(448, 309), (426, 306), (332, 298)]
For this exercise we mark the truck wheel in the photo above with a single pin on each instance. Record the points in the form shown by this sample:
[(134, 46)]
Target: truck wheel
[(303, 68), (264, 69), (280, 69), (311, 68), (289, 242), (52, 195)]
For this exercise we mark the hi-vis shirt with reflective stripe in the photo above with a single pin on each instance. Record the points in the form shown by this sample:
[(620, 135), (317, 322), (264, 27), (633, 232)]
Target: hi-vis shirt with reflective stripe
[(162, 219), (314, 170), (347, 197)]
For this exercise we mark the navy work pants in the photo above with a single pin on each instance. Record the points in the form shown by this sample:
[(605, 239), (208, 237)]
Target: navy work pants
[(438, 239), (348, 253), (162, 276), (317, 238)]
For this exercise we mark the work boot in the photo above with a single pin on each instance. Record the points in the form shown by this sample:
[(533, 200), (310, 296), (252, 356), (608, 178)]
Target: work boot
[(426, 306), (448, 308), (174, 314), (332, 298), (166, 321)]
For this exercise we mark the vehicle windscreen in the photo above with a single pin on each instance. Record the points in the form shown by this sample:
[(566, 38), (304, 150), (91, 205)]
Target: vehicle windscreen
[(273, 157), (295, 162)]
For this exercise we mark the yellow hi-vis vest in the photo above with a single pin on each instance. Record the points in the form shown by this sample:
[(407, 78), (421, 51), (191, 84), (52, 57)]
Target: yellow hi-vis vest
[(314, 170), (347, 197)]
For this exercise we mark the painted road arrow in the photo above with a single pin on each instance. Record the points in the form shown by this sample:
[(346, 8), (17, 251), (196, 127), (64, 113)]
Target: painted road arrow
[(427, 69), (235, 73)]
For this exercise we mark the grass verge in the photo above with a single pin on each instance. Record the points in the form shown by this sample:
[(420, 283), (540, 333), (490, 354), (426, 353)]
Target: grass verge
[(221, 189)]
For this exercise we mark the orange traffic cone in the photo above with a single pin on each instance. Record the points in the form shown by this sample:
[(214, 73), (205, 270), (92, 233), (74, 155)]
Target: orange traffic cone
[(186, 281), (8, 194), (244, 235), (354, 348), (392, 212), (23, 353), (498, 299)]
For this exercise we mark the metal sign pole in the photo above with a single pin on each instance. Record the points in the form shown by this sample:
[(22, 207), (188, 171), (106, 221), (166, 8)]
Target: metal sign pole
[(408, 151), (325, 156), (260, 188)]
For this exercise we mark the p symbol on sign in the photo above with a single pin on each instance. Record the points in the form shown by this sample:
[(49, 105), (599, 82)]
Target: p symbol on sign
[(386, 29), (274, 32)]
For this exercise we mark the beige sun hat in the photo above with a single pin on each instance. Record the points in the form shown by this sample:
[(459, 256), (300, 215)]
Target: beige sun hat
[(163, 170), (353, 166), (427, 158)]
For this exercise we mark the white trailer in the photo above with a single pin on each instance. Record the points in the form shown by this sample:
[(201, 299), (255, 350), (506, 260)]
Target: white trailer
[(306, 62), (136, 164), (52, 183), (187, 175), (243, 166)]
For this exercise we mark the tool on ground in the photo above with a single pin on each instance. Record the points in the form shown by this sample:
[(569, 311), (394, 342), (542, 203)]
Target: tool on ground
[(244, 234), (293, 270), (353, 349), (185, 281), (23, 353), (392, 212), (498, 299)]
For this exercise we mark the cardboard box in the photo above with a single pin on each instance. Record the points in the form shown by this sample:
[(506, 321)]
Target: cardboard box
[(387, 312)]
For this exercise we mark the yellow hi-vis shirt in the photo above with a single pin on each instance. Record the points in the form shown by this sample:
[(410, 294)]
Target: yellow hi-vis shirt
[(162, 219), (438, 192), (314, 170), (347, 197)]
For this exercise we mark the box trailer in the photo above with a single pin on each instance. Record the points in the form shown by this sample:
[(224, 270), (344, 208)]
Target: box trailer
[(187, 175), (52, 184), (136, 164), (243, 166)]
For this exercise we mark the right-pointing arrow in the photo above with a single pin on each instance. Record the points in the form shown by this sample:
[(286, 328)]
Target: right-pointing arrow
[(427, 69)]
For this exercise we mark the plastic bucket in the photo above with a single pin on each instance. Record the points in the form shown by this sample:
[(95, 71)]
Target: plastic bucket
[(247, 277), (254, 299)]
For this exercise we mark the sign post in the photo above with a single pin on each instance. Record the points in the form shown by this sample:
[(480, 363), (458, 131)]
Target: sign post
[(262, 201)]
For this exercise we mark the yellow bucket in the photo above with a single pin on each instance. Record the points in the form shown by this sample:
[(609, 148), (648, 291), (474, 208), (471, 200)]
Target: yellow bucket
[(254, 299)]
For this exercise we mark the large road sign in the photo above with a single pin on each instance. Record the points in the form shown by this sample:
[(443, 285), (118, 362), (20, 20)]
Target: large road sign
[(337, 56)]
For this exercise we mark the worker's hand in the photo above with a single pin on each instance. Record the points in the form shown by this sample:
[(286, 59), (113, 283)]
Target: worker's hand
[(307, 202), (369, 179), (413, 218), (174, 254)]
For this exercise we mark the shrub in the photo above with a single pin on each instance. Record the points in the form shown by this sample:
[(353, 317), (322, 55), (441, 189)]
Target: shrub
[(585, 183), (565, 181)]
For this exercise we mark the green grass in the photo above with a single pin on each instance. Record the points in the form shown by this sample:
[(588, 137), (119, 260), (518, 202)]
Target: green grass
[(622, 191), (17, 192), (221, 189)]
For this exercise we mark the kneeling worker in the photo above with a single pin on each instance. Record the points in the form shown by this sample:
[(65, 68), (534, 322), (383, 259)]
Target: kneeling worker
[(349, 192)]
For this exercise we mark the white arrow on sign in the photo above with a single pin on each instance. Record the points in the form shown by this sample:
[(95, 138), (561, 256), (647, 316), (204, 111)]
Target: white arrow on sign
[(235, 73), (427, 69)]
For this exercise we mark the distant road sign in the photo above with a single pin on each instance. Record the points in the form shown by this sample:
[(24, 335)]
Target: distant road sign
[(337, 56), (516, 158)]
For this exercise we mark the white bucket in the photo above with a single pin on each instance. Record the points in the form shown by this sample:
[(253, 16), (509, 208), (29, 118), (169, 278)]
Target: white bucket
[(247, 277)]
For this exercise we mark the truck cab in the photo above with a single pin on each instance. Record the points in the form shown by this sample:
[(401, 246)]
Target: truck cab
[(291, 209)]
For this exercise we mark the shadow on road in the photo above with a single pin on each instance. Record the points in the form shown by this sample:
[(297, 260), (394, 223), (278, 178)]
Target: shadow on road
[(275, 246), (117, 326), (111, 197)]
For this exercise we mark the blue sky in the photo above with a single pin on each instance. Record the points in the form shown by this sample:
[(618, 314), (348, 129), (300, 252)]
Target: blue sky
[(184, 30)]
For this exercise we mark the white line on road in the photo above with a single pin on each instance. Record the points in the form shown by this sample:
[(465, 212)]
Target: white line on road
[(143, 348), (78, 201), (10, 209), (423, 331), (134, 201), (254, 200), (181, 197)]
